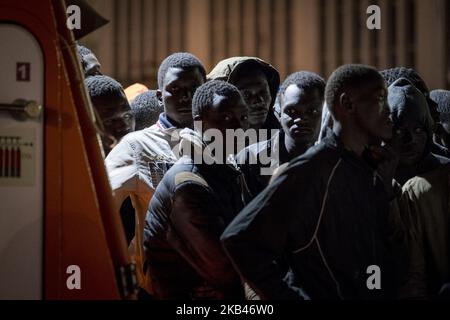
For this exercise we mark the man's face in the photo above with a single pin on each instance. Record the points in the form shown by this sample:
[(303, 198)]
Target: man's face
[(256, 92), (301, 114), (227, 112), (372, 110), (179, 88), (116, 116), (91, 65), (433, 107), (410, 139)]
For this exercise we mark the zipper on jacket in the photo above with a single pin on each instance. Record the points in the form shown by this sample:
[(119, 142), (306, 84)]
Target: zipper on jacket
[(244, 187)]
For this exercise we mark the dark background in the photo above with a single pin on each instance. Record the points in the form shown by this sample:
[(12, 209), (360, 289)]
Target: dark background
[(314, 35)]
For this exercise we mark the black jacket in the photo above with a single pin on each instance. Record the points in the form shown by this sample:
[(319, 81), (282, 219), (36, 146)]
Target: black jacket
[(327, 214), (268, 154), (188, 212)]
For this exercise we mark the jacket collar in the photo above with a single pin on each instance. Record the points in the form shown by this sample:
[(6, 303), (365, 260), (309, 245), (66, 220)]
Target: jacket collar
[(164, 123), (365, 161)]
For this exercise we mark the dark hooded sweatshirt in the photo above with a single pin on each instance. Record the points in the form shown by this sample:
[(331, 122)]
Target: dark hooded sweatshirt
[(227, 69), (403, 99)]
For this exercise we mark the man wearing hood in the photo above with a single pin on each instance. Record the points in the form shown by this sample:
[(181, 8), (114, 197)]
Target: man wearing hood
[(195, 201), (138, 163), (393, 74), (258, 83), (413, 131)]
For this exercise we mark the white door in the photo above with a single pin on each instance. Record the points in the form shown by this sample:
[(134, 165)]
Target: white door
[(21, 166)]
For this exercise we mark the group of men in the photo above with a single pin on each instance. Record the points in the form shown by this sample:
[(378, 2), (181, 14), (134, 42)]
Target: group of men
[(355, 204)]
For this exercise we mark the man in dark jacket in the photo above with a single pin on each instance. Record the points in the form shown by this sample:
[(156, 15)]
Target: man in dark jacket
[(413, 131), (194, 203), (299, 108), (393, 74), (425, 205), (327, 212)]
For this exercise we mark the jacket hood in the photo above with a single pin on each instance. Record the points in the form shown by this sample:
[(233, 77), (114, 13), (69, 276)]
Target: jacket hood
[(404, 98), (227, 69)]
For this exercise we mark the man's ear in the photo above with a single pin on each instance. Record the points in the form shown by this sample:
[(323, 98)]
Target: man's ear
[(346, 103), (159, 95)]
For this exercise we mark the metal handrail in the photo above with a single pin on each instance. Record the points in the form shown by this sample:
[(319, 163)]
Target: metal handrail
[(31, 108)]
